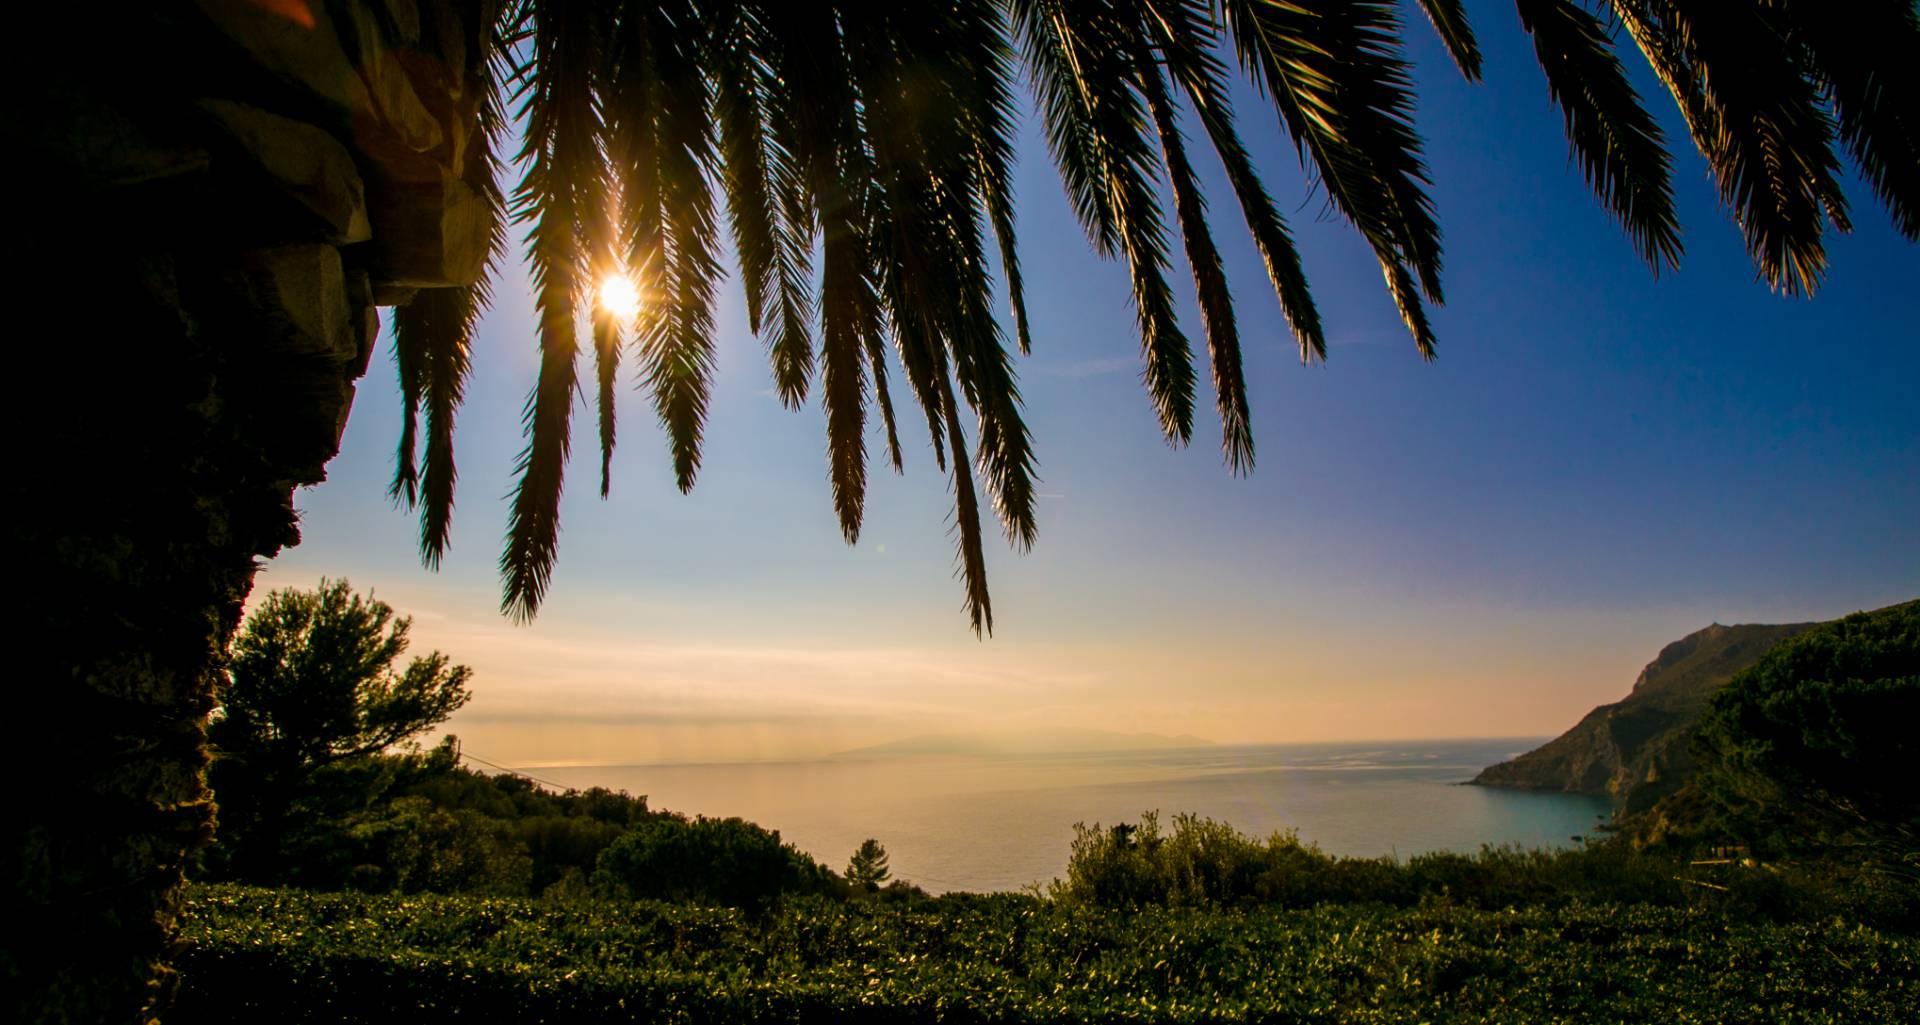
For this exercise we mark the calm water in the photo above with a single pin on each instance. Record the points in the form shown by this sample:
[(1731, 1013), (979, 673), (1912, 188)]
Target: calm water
[(1001, 822)]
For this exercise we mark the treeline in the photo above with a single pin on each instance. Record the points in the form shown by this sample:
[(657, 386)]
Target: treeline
[(1805, 804), (311, 795), (1200, 863), (424, 823)]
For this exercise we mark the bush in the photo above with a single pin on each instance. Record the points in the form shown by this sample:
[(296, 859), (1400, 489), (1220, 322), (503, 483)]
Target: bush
[(293, 958), (719, 861), (1811, 751), (1203, 863)]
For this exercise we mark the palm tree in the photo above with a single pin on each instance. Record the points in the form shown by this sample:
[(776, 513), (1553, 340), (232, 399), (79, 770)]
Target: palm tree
[(877, 141), (857, 158)]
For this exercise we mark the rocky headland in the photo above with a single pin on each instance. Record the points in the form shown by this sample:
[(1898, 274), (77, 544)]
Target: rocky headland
[(1635, 750)]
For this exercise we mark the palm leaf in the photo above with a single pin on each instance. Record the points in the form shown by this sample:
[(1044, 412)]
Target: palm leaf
[(941, 87), (773, 262), (438, 325), (1209, 279), (1333, 70), (1187, 40), (408, 355), (1758, 120), (1620, 147), (1450, 22), (966, 521), (565, 184), (1864, 54), (1082, 56), (678, 354)]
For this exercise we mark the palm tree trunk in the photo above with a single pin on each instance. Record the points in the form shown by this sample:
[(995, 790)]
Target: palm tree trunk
[(210, 219)]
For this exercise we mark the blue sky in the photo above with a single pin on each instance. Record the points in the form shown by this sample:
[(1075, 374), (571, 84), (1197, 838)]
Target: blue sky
[(1490, 544)]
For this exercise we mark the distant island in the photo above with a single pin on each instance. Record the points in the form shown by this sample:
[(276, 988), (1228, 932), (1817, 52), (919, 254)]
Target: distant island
[(1025, 742), (1635, 750)]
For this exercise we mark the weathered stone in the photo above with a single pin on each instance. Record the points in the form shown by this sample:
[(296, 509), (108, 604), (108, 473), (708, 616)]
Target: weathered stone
[(403, 17), (80, 137), (297, 297), (363, 318), (306, 162), (448, 35), (438, 87), (295, 41), (402, 114), (393, 295), (428, 235)]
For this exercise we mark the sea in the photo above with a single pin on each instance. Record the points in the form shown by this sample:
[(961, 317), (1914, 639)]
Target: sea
[(1006, 822)]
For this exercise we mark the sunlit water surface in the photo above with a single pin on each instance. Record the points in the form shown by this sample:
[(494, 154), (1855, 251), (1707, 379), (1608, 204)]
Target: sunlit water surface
[(1002, 822)]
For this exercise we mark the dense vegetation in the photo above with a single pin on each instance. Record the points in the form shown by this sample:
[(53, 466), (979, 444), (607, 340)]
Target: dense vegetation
[(310, 795), (285, 956), (1812, 752), (421, 822), (1202, 863), (1780, 885)]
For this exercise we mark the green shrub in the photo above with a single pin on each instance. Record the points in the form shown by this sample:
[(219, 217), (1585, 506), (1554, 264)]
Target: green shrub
[(720, 861), (294, 957), (1812, 750)]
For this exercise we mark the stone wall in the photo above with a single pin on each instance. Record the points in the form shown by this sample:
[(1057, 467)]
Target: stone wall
[(213, 198)]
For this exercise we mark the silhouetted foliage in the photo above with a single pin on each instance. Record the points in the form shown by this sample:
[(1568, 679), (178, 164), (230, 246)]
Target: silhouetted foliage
[(1203, 863), (312, 694), (702, 860), (868, 866), (1814, 749), (311, 681), (861, 160)]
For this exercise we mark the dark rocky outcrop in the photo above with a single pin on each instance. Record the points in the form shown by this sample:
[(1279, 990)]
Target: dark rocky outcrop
[(211, 198), (1635, 750)]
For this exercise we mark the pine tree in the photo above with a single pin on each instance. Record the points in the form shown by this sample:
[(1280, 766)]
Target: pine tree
[(868, 869)]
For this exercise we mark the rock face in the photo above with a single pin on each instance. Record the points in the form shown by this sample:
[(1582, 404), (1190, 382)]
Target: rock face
[(213, 199), (1635, 750)]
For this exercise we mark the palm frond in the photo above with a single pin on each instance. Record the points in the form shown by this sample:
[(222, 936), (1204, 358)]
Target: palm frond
[(847, 310), (679, 354), (565, 184), (1449, 20), (438, 324), (1187, 40), (819, 125), (772, 261), (987, 103), (972, 554), (941, 85), (1757, 118), (1334, 71), (1082, 53), (607, 339), (1620, 147), (1864, 54), (1209, 279), (408, 355), (1058, 80)]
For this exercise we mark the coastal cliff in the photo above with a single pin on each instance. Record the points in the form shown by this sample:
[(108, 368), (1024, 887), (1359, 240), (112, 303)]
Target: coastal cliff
[(1635, 750)]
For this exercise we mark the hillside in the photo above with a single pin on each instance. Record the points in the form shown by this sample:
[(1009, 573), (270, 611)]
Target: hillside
[(1635, 750)]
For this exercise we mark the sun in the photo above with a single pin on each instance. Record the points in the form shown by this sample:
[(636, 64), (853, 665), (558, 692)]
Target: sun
[(619, 296)]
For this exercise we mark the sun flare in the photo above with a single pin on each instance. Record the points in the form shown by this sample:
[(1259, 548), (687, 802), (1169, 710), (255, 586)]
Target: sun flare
[(619, 296)]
